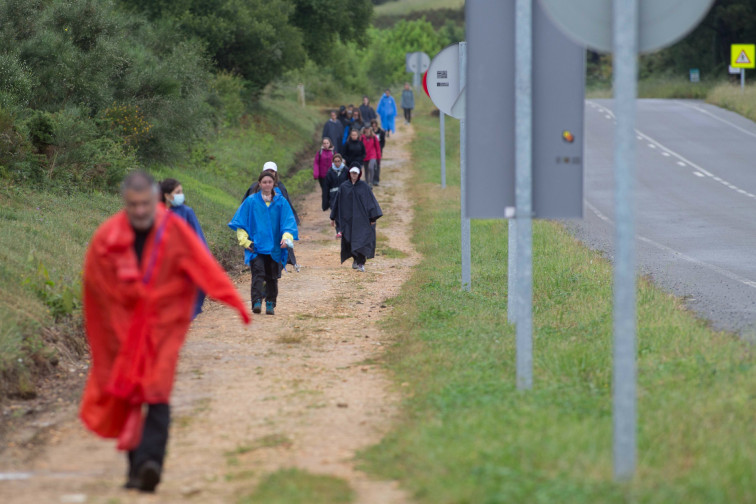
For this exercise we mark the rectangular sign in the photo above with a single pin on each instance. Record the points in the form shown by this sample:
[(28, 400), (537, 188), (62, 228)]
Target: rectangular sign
[(734, 71), (743, 56), (695, 75), (558, 110)]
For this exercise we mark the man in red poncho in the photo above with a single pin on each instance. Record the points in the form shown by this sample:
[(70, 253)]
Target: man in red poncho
[(141, 275)]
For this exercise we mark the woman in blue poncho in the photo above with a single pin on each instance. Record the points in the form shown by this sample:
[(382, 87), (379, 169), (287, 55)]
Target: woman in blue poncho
[(172, 194), (265, 226), (387, 110)]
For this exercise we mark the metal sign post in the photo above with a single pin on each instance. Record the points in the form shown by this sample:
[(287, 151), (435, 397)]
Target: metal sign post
[(446, 87), (512, 271), (625, 93), (466, 246), (441, 117), (524, 189)]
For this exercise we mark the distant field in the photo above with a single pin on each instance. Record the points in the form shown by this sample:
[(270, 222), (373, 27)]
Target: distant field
[(406, 6)]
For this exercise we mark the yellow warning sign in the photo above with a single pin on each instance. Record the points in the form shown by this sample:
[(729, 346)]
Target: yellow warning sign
[(743, 55)]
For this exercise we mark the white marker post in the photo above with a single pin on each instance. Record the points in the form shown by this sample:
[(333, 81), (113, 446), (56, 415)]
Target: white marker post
[(524, 189), (442, 119)]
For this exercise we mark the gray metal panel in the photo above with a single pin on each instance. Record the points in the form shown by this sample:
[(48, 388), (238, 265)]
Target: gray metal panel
[(490, 107), (558, 106)]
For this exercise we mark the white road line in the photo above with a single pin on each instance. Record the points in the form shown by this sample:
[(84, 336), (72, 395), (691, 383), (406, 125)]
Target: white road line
[(665, 154), (682, 159), (608, 116), (652, 146), (698, 174), (704, 111), (721, 271)]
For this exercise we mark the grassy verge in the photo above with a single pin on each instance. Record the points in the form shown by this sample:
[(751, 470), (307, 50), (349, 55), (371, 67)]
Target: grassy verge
[(294, 486), (405, 7), (729, 96), (661, 87), (43, 235), (467, 435)]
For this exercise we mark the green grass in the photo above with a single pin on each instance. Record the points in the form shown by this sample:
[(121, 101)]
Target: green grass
[(403, 7), (53, 228), (661, 87), (468, 436), (294, 486), (730, 96)]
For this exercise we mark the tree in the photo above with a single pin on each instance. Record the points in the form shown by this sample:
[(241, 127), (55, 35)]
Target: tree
[(324, 22)]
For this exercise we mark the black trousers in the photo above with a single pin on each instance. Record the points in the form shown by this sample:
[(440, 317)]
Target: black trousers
[(359, 258), (326, 194), (377, 174), (408, 114), (154, 438), (265, 274)]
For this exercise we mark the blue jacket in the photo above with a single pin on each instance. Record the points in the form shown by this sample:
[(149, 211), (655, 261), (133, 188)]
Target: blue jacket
[(387, 110), (265, 225), (186, 213)]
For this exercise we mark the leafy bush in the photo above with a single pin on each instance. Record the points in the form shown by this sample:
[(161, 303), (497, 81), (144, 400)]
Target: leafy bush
[(61, 298)]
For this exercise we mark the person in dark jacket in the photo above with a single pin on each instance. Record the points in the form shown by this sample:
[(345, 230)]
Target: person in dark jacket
[(344, 117), (334, 130), (382, 140), (273, 167), (408, 103), (355, 212), (354, 149), (357, 123), (172, 196), (366, 111), (337, 175)]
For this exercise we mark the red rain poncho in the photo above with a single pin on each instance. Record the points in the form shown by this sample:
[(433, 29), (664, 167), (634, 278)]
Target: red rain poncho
[(137, 317)]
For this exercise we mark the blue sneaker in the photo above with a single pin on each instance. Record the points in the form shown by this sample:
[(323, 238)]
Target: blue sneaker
[(257, 307), (270, 308)]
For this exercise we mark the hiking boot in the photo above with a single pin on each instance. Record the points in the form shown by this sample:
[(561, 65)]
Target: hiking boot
[(361, 268), (355, 265), (149, 476), (257, 307), (297, 267), (270, 308)]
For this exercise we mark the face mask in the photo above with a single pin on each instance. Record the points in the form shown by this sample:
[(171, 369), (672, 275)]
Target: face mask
[(178, 200)]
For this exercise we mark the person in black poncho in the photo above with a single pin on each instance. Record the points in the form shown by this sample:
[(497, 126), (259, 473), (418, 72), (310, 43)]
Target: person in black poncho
[(355, 212)]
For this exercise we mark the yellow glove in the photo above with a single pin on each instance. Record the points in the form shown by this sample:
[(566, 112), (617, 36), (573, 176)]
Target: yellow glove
[(243, 238)]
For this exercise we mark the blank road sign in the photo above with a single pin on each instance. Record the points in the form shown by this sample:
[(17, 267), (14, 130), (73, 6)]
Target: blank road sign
[(743, 56), (558, 109), (490, 107)]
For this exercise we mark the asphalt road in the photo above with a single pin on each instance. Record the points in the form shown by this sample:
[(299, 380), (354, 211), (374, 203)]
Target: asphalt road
[(696, 203)]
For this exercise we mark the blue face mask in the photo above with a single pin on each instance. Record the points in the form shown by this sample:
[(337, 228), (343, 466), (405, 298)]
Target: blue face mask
[(178, 200)]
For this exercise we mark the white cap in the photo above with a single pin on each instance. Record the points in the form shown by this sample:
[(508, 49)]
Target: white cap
[(354, 169), (270, 165)]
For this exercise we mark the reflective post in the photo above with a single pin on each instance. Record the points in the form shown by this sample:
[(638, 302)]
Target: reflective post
[(466, 252), (524, 189), (625, 93), (442, 118)]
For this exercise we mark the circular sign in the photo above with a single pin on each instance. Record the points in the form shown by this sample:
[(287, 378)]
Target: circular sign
[(417, 62), (443, 81), (660, 22), (425, 83)]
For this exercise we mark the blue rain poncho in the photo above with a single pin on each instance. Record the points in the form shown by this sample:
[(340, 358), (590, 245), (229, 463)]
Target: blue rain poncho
[(265, 226)]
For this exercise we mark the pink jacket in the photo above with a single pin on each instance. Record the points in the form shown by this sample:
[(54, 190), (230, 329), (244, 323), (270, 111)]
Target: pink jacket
[(372, 147), (322, 164)]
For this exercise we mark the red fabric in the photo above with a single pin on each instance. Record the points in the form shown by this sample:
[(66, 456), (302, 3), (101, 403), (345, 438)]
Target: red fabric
[(322, 163), (136, 329), (372, 147)]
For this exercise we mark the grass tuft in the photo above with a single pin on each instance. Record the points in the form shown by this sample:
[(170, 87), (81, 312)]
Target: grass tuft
[(295, 486)]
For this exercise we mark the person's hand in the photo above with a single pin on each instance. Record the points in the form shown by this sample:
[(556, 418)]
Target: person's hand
[(251, 248), (283, 244), (372, 223)]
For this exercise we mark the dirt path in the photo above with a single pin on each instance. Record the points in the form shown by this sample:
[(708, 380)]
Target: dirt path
[(294, 390)]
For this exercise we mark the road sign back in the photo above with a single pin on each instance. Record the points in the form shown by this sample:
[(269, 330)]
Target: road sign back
[(743, 56)]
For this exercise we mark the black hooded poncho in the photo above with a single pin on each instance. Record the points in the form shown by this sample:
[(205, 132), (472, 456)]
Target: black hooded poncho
[(354, 210)]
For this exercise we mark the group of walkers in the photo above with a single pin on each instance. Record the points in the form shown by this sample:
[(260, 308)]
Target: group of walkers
[(148, 270)]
